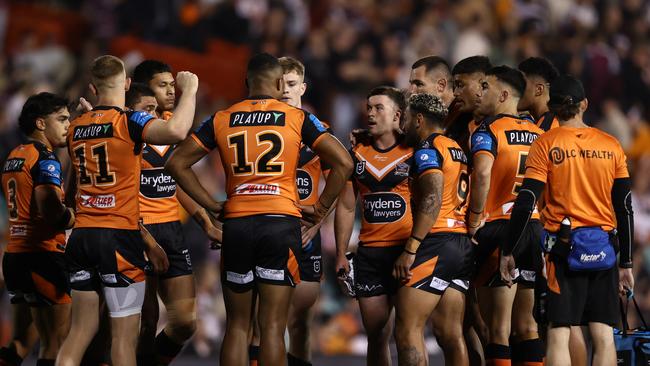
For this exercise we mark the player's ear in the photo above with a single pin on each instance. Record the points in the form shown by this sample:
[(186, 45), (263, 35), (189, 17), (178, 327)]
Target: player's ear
[(398, 115), (40, 124), (442, 85), (539, 89), (584, 104), (279, 84), (127, 84), (93, 89), (303, 88), (504, 95)]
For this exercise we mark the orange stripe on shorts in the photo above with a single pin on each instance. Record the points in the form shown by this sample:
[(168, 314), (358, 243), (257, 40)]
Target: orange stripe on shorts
[(422, 270)]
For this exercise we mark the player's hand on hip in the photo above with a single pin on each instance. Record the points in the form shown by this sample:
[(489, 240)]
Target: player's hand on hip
[(187, 82)]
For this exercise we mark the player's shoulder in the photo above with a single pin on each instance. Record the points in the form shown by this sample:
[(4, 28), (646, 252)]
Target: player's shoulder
[(606, 137), (44, 153)]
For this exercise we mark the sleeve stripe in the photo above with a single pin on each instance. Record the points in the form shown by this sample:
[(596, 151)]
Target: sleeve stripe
[(198, 142)]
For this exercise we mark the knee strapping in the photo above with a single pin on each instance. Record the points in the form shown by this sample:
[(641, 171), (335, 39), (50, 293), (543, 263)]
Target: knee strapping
[(125, 301), (181, 319)]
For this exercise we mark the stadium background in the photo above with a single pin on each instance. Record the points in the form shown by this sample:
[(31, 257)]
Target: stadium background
[(348, 47)]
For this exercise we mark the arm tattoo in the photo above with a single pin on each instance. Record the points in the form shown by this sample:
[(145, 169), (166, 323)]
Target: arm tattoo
[(430, 192)]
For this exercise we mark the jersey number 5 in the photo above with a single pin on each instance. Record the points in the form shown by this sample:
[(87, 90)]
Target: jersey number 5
[(521, 171), (265, 162), (104, 177)]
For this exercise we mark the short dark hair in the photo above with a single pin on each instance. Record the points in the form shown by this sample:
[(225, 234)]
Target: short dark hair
[(136, 92), (39, 106), (471, 65), (261, 64), (539, 66), (513, 77), (431, 107), (432, 62), (144, 72), (394, 94)]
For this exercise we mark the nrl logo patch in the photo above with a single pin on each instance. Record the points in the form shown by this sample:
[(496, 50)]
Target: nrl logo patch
[(361, 167)]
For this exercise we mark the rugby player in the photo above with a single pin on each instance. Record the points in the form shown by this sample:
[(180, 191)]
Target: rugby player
[(499, 148), (33, 264), (105, 249), (597, 198), (438, 251), (308, 179), (159, 210), (539, 73), (432, 75), (381, 180), (259, 141)]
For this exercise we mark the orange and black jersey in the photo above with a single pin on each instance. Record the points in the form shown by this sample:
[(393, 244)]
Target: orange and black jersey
[(439, 154), (382, 180), (105, 145), (507, 138), (259, 141), (547, 121), (158, 201), (28, 166), (308, 176)]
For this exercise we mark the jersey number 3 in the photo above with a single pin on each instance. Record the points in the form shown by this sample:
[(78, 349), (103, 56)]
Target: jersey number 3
[(104, 177), (265, 162)]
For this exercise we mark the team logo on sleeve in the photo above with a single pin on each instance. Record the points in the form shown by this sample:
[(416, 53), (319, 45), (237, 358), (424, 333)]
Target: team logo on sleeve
[(385, 207), (305, 184)]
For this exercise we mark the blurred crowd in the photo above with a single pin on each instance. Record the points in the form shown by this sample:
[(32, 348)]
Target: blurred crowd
[(348, 47)]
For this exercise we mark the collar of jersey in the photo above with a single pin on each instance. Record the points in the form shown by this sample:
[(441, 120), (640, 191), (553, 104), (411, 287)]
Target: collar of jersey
[(260, 97), (107, 107)]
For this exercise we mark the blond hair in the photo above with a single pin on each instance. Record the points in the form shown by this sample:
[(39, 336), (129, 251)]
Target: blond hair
[(104, 68)]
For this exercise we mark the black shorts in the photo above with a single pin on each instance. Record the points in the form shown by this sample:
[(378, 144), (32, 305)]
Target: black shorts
[(311, 261), (527, 254), (373, 270), (105, 257), (443, 260), (169, 236), (260, 248), (580, 297), (36, 278)]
